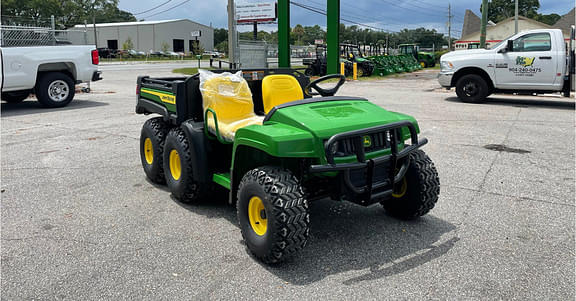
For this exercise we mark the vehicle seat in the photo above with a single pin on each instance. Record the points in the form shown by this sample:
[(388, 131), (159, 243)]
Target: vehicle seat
[(231, 99), (278, 89)]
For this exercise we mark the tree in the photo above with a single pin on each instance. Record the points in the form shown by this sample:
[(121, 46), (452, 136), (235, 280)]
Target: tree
[(499, 10), (298, 32), (550, 19), (165, 46), (67, 13), (220, 35), (127, 45)]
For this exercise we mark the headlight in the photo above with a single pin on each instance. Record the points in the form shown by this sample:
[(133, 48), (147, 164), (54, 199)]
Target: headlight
[(447, 65)]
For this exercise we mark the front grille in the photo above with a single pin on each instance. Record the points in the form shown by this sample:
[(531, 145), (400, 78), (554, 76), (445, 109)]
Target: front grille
[(378, 141)]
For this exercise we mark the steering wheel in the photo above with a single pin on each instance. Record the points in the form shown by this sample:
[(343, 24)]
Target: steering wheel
[(321, 91)]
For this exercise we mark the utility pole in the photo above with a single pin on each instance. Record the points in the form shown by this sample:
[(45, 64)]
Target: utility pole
[(449, 28), (94, 24), (484, 22), (231, 32), (516, 16)]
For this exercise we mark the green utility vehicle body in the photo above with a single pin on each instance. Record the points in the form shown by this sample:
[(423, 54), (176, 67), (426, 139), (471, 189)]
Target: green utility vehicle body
[(340, 147), (426, 59)]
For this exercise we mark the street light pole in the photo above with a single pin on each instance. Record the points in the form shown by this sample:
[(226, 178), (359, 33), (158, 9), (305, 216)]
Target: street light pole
[(516, 16)]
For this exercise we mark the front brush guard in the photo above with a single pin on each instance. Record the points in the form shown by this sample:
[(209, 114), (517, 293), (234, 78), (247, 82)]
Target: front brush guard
[(373, 191)]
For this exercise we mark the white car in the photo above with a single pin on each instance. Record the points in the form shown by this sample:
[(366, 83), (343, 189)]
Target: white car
[(535, 61), (50, 72)]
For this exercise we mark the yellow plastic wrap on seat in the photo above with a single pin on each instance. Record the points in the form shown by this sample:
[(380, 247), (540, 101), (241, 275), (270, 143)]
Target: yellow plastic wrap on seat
[(278, 89), (229, 96)]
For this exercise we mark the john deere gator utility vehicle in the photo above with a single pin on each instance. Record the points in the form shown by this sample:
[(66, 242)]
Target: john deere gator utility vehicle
[(353, 54), (426, 59), (317, 65), (260, 135)]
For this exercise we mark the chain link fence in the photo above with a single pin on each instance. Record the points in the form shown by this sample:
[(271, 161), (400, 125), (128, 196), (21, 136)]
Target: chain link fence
[(259, 54), (19, 36)]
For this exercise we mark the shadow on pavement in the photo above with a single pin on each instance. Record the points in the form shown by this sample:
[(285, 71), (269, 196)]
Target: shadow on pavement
[(524, 102), (346, 237), (32, 106)]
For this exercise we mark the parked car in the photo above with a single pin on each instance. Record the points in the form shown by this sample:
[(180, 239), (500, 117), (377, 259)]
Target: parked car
[(50, 72), (105, 52)]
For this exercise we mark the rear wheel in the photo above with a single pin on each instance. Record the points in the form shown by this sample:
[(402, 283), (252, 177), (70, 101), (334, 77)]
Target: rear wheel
[(309, 71), (423, 64), (55, 89), (178, 168), (472, 88), (273, 213), (152, 139), (15, 97), (417, 193)]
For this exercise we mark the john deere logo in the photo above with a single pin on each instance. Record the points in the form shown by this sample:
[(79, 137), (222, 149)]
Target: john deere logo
[(367, 141), (525, 61)]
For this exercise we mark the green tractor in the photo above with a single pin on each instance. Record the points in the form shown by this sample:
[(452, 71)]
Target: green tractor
[(263, 138), (426, 59)]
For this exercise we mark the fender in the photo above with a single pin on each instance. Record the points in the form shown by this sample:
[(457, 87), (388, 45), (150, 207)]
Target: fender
[(197, 141)]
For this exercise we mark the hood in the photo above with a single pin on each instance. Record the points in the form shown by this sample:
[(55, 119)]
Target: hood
[(324, 119), (464, 53)]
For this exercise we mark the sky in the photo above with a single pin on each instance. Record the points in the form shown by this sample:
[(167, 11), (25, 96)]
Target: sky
[(392, 15)]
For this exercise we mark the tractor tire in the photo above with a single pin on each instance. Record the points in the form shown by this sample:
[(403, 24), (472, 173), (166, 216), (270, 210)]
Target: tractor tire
[(433, 65), (55, 89), (152, 139), (273, 213), (178, 168), (472, 88), (418, 191), (309, 71), (423, 64), (15, 96)]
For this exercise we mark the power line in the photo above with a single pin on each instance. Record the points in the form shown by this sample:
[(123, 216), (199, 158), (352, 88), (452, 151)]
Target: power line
[(153, 8), (171, 8)]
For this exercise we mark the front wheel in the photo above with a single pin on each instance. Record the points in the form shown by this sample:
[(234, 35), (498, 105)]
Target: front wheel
[(417, 193), (472, 88), (273, 213), (55, 89)]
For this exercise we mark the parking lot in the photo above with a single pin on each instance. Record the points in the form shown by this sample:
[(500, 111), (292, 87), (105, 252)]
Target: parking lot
[(80, 221)]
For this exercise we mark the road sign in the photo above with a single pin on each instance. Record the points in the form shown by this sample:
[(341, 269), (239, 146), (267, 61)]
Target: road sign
[(256, 12)]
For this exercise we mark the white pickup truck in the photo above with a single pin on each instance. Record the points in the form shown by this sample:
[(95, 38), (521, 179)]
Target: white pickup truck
[(50, 72), (530, 62)]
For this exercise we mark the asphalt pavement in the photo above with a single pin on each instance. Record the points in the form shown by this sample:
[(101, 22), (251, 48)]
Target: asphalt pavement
[(79, 220)]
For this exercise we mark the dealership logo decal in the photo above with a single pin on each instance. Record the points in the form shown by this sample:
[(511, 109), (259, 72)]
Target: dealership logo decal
[(525, 66), (525, 61)]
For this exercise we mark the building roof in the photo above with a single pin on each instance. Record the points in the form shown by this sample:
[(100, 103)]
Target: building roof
[(502, 23), (137, 23), (566, 21), (471, 23)]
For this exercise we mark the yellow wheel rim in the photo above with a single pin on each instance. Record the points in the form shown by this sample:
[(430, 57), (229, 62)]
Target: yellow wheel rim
[(423, 64), (175, 167), (257, 216), (148, 151), (403, 189)]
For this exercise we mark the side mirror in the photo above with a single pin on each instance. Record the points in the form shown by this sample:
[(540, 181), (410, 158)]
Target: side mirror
[(510, 45)]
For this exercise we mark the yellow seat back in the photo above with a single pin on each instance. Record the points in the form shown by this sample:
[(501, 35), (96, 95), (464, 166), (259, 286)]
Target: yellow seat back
[(278, 89), (230, 99)]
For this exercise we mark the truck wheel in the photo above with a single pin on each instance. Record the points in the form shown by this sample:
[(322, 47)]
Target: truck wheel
[(15, 97), (152, 139), (55, 89), (418, 191), (178, 168), (472, 88), (273, 213)]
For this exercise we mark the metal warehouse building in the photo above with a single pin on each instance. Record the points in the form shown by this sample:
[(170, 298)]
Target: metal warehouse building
[(147, 36)]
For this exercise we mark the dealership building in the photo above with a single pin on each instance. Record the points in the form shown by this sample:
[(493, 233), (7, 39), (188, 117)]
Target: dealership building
[(175, 35)]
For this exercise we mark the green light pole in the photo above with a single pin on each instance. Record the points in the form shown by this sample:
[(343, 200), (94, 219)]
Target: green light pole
[(333, 37), (284, 33)]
